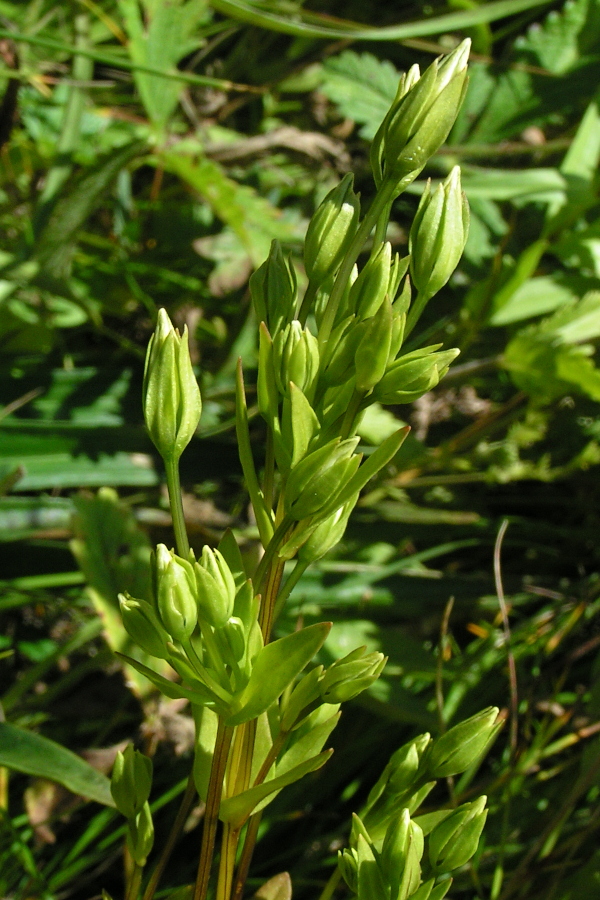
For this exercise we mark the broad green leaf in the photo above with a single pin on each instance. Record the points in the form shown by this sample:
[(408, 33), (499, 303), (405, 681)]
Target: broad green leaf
[(236, 810), (565, 35), (275, 668), (253, 219), (23, 516), (519, 185), (534, 297), (167, 33), (33, 754), (362, 86)]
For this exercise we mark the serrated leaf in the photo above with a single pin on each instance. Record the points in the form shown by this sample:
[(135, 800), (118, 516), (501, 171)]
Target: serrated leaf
[(33, 754), (362, 86), (563, 37), (535, 297)]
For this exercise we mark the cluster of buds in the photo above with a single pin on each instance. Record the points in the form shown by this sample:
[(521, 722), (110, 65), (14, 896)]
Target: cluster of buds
[(420, 117), (396, 866), (130, 788), (273, 290)]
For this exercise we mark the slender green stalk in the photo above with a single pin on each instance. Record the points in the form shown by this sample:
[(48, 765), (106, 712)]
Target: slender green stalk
[(229, 845), (269, 477), (421, 301), (74, 108), (135, 881), (384, 196), (176, 503), (246, 858), (351, 414), (211, 814), (263, 518), (329, 889), (290, 583), (174, 835), (307, 302)]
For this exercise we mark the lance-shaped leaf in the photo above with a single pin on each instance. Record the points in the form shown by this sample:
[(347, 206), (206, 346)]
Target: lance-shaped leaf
[(169, 688), (237, 809), (33, 754), (376, 461), (275, 667)]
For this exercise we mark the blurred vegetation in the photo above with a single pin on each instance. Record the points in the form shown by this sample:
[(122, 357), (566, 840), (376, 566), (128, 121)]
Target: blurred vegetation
[(150, 152)]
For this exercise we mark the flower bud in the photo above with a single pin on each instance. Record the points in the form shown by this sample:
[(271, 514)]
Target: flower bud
[(234, 636), (131, 781), (463, 745), (338, 365), (304, 694), (331, 231), (372, 353), (273, 290), (420, 120), (438, 234), (176, 593), (327, 534), (348, 677), (140, 835), (215, 588), (401, 855), (266, 386), (172, 402), (413, 375), (295, 358), (453, 841), (349, 868), (316, 479), (143, 626), (373, 283)]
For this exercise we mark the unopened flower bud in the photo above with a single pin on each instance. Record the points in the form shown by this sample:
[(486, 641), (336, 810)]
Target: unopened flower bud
[(304, 694), (438, 234), (176, 593), (316, 479), (172, 402), (413, 374), (372, 354), (273, 290), (143, 626), (349, 868), (373, 283), (215, 587), (401, 855), (327, 534), (463, 745), (420, 120), (331, 231), (348, 677), (454, 840), (131, 781), (295, 358), (140, 835)]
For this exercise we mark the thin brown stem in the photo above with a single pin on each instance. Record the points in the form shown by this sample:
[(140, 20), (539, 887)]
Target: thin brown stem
[(246, 858), (211, 815), (227, 862), (512, 669), (175, 833)]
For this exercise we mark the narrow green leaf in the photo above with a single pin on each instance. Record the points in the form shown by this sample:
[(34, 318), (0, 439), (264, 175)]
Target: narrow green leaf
[(237, 809), (489, 12), (275, 667), (35, 755)]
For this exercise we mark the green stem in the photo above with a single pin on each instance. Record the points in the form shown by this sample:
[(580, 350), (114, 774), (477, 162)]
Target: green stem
[(384, 196), (229, 846), (309, 296), (293, 579), (133, 888), (174, 835), (269, 479), (176, 503), (246, 858), (211, 814), (382, 224), (421, 300), (351, 413), (272, 548), (334, 880), (82, 70), (263, 518)]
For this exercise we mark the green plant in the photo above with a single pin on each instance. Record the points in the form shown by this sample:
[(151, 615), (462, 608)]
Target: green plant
[(262, 717)]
